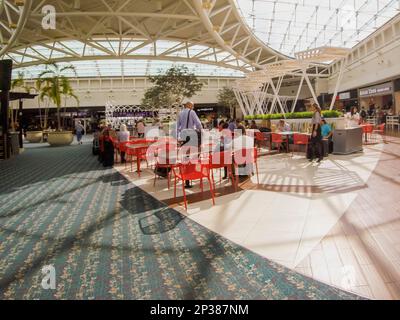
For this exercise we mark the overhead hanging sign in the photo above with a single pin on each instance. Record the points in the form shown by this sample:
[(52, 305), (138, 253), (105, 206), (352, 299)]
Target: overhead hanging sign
[(382, 89)]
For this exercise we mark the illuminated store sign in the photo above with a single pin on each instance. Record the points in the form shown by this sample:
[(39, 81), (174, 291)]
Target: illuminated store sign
[(382, 89), (344, 96)]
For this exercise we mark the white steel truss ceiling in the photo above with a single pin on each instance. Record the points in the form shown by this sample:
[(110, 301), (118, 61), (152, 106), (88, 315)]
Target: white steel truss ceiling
[(198, 31), (207, 32), (290, 26)]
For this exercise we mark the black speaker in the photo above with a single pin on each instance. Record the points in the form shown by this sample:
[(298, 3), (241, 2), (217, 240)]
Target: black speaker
[(5, 74)]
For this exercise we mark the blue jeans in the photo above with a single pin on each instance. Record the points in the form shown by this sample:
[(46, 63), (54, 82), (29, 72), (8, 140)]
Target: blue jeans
[(79, 136)]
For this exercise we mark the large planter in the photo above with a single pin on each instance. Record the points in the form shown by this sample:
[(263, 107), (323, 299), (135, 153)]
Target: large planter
[(34, 136), (303, 125), (60, 138)]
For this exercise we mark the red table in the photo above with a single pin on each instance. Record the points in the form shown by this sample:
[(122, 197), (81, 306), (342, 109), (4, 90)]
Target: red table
[(138, 150), (367, 128)]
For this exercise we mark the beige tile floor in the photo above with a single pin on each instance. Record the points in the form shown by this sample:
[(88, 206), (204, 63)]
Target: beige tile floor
[(339, 231)]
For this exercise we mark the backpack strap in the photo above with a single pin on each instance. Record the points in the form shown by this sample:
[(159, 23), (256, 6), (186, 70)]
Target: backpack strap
[(187, 122)]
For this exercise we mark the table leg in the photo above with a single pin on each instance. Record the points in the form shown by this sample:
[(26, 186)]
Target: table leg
[(138, 165)]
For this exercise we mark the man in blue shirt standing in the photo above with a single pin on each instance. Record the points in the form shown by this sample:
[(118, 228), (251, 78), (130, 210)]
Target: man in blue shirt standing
[(188, 121), (232, 125), (189, 129)]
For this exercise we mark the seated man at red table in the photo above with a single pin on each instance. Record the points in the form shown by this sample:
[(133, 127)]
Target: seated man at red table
[(283, 126)]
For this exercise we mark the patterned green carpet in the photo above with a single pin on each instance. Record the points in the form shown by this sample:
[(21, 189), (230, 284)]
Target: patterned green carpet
[(107, 239)]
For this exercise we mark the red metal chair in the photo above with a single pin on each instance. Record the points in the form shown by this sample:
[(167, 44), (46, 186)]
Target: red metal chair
[(219, 160), (166, 155), (245, 157), (277, 139), (139, 153), (380, 130), (193, 171), (261, 138), (122, 148), (131, 153), (300, 140), (367, 130)]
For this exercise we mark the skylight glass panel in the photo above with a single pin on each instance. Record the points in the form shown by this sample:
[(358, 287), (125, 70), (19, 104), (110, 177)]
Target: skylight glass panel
[(290, 26), (129, 67)]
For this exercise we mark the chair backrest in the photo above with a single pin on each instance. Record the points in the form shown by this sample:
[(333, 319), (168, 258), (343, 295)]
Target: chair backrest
[(260, 136), (221, 159), (381, 127), (276, 137), (300, 138), (195, 170), (367, 128), (137, 141), (245, 156), (167, 153), (122, 146)]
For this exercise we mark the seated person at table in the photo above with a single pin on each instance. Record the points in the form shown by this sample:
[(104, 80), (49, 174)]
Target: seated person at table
[(123, 136), (225, 140), (283, 126), (253, 125), (221, 125), (265, 126), (327, 133), (242, 141), (238, 124)]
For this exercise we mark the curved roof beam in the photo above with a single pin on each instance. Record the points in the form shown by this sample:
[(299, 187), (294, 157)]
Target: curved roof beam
[(140, 49), (13, 16), (224, 22), (202, 31)]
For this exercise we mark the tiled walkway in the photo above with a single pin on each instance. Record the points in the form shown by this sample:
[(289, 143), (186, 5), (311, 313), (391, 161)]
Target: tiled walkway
[(108, 239), (338, 222), (365, 243)]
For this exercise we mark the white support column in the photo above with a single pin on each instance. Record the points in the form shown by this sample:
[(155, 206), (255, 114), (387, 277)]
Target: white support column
[(264, 96), (246, 102), (298, 94), (276, 95), (240, 101), (310, 87), (338, 81)]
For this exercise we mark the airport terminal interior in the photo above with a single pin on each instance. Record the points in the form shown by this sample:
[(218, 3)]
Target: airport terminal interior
[(200, 149)]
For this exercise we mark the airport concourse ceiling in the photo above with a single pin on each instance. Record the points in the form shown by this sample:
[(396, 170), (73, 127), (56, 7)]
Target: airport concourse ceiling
[(290, 26), (212, 37), (129, 68), (193, 31)]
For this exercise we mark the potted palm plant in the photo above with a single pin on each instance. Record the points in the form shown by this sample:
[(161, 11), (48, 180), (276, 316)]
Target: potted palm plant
[(56, 86), (32, 135)]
